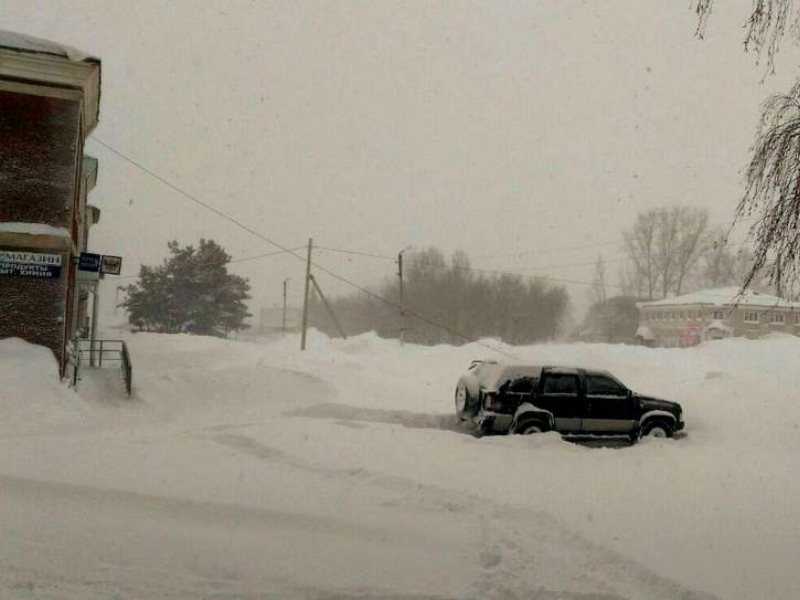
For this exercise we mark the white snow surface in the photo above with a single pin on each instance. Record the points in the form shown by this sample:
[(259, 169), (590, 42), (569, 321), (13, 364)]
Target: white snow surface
[(28, 43), (252, 470), (33, 229)]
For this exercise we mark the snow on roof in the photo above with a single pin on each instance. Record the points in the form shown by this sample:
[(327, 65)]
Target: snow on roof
[(724, 297), (28, 43), (33, 229)]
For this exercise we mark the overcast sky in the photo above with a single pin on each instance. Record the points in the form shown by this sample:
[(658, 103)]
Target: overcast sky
[(512, 130)]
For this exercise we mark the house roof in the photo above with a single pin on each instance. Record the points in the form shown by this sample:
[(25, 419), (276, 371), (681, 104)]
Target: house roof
[(724, 297), (52, 69), (27, 43)]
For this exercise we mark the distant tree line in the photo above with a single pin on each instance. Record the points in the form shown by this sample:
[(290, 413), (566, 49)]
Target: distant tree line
[(457, 303)]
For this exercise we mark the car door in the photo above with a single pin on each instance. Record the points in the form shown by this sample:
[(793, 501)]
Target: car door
[(561, 395), (609, 406)]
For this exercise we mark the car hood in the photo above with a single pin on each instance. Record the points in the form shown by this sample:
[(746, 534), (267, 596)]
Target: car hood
[(650, 403)]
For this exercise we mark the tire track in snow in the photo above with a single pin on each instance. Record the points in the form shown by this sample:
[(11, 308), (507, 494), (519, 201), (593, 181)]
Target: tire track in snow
[(522, 551)]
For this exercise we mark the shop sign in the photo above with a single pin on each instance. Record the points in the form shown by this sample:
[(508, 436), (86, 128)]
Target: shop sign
[(88, 261), (111, 265), (30, 264)]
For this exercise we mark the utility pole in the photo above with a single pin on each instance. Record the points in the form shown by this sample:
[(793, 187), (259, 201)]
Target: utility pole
[(305, 295), (328, 307), (402, 305), (285, 281), (95, 312)]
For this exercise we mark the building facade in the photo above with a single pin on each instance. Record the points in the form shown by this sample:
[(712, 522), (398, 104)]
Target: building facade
[(49, 104), (715, 314)]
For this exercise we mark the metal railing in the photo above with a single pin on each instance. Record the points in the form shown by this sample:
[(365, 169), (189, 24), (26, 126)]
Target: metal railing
[(97, 352)]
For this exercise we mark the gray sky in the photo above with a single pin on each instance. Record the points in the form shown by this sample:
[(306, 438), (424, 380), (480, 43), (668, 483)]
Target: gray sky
[(500, 128)]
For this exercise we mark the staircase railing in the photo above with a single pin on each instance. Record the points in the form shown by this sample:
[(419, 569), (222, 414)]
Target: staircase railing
[(96, 352)]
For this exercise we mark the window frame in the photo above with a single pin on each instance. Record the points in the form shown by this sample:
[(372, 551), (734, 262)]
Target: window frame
[(575, 378), (623, 390)]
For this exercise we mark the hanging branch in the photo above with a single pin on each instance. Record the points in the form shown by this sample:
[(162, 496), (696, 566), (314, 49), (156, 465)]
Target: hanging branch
[(703, 11), (764, 28), (772, 187)]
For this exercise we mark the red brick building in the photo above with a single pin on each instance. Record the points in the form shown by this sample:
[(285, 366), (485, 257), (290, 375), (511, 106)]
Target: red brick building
[(714, 314), (49, 104)]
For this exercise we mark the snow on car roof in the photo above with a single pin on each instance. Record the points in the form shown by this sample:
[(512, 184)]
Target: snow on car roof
[(494, 374)]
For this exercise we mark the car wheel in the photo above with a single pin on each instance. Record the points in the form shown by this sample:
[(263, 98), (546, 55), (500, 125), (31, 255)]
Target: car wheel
[(657, 429), (530, 427), (462, 400)]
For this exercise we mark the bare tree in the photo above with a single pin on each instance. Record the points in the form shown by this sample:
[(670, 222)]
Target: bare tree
[(664, 246), (639, 245), (690, 244), (773, 175), (764, 29), (773, 189), (719, 263), (667, 226)]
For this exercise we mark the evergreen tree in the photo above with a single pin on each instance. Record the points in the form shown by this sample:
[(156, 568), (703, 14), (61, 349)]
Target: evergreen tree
[(190, 292)]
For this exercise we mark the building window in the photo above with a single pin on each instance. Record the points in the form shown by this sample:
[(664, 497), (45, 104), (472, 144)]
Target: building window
[(751, 317), (777, 318), (718, 315)]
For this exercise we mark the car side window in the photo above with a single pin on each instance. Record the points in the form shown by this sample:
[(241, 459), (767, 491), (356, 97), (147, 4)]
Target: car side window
[(523, 385), (597, 385), (563, 385)]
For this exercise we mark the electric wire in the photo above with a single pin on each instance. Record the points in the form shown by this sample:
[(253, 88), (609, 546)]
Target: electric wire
[(289, 251)]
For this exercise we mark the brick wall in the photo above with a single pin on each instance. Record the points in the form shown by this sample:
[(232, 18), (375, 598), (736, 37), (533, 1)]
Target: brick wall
[(40, 158), (39, 150)]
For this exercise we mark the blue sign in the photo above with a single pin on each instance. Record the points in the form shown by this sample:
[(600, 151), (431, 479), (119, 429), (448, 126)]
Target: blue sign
[(89, 262), (30, 264)]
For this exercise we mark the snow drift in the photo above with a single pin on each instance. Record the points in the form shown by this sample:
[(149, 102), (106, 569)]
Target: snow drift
[(244, 469)]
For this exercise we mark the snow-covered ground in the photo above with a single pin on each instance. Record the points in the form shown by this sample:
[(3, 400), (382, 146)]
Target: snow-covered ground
[(244, 470)]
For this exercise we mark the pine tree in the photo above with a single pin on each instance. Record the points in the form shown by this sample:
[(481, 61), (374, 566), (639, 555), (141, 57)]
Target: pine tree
[(190, 292)]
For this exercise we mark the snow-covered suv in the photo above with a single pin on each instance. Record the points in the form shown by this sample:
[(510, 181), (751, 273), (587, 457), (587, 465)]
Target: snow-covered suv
[(519, 398)]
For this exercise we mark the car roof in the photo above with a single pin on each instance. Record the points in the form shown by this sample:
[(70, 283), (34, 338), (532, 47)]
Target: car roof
[(494, 373)]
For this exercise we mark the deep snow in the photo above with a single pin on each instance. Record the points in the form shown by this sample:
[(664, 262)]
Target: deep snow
[(249, 469)]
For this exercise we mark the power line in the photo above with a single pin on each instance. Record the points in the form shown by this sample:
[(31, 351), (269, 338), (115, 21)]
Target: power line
[(253, 232), (267, 255), (336, 276), (291, 252), (230, 262), (355, 252), (730, 225)]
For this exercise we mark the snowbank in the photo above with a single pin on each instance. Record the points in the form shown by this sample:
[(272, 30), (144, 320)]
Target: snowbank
[(351, 447)]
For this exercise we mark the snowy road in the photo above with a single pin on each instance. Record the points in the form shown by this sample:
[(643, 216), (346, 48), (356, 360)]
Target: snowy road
[(250, 471)]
